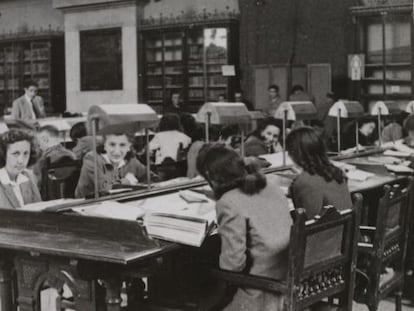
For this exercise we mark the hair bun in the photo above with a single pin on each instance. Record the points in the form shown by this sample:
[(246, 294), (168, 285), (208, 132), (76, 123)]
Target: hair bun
[(253, 183)]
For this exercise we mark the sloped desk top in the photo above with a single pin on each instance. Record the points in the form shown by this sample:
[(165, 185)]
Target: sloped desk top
[(77, 237)]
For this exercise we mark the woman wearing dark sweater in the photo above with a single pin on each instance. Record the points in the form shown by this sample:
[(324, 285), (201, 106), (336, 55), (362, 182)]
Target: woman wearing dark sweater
[(319, 183)]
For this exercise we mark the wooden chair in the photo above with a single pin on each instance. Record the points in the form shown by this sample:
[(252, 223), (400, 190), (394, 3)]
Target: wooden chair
[(170, 169), (384, 246), (321, 260), (59, 179)]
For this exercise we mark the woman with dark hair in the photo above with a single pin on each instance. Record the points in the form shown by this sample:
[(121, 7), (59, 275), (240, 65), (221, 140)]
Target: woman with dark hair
[(116, 165), (253, 223), (367, 133), (319, 183), (166, 143), (17, 184), (265, 139)]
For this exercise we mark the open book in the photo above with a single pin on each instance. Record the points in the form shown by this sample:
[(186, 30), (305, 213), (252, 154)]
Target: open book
[(182, 217)]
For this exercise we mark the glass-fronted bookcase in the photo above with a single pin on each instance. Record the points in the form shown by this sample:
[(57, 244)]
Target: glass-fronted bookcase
[(37, 59), (384, 35), (189, 60)]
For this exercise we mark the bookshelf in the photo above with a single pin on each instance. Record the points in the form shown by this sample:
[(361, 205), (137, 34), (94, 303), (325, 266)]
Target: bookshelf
[(186, 59), (38, 59), (388, 63)]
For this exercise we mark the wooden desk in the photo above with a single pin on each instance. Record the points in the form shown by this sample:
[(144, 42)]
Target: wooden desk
[(74, 250), (55, 249)]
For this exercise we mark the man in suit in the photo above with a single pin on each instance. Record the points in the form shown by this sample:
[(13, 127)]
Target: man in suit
[(28, 106)]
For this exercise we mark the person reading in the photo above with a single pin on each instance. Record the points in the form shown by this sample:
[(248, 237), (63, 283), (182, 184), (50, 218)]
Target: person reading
[(253, 223), (319, 182)]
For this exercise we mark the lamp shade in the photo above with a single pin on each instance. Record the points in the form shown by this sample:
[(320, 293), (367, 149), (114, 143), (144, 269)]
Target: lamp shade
[(346, 109), (3, 127), (224, 113), (409, 107), (296, 110), (122, 118), (61, 124), (386, 108)]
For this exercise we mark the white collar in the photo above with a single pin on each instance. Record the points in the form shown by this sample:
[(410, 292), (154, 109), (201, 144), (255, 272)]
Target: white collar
[(5, 178), (120, 164)]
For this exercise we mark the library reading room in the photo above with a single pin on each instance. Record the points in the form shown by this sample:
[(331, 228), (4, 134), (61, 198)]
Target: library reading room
[(206, 155)]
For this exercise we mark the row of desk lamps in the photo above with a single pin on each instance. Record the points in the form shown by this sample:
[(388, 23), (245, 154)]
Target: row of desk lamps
[(132, 118)]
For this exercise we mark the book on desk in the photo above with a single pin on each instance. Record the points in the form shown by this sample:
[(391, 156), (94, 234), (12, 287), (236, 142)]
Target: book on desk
[(185, 217)]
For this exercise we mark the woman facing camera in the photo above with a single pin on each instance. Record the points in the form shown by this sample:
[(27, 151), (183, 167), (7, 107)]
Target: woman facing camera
[(265, 139), (116, 165), (17, 184), (319, 183), (253, 223)]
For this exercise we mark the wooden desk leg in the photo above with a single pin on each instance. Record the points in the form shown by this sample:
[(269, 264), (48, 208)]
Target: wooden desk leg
[(6, 303), (113, 295)]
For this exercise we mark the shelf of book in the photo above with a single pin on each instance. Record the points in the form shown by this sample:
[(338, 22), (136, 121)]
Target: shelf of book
[(188, 60)]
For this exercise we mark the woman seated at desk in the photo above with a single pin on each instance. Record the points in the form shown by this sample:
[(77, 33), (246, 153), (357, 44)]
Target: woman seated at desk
[(17, 184), (366, 137), (265, 139), (167, 141), (406, 144), (116, 165), (254, 230), (409, 129), (319, 183)]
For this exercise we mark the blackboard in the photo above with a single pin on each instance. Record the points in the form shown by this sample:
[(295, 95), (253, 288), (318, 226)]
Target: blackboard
[(101, 59)]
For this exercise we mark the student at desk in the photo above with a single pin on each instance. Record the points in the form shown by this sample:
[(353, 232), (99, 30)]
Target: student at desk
[(367, 133), (17, 184), (319, 183), (265, 139), (116, 165), (49, 143), (253, 223), (167, 141)]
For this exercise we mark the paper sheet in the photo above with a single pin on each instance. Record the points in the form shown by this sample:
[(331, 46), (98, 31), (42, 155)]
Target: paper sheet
[(111, 209), (276, 159)]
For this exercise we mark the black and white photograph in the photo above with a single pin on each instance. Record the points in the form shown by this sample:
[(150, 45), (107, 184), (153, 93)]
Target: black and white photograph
[(206, 155)]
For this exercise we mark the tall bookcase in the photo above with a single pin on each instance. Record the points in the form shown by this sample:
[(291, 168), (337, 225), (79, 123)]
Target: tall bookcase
[(384, 34), (188, 59), (38, 59)]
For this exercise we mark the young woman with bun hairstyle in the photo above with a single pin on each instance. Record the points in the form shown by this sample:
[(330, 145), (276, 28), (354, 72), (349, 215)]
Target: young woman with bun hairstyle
[(319, 183), (253, 223)]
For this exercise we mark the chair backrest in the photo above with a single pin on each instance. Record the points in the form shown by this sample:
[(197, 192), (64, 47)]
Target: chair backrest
[(322, 261), (391, 234), (59, 179)]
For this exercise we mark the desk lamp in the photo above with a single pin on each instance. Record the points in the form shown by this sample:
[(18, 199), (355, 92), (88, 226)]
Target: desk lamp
[(346, 109), (294, 111), (3, 127), (409, 107), (61, 125), (117, 119), (381, 108), (225, 114)]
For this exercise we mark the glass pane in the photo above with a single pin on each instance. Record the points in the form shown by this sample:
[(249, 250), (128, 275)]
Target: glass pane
[(215, 45)]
